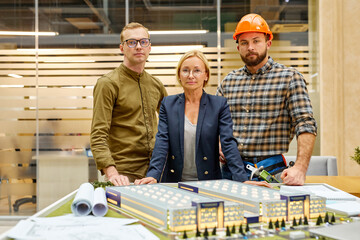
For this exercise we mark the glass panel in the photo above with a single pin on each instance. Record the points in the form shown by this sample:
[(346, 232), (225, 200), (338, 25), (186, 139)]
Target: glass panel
[(17, 107)]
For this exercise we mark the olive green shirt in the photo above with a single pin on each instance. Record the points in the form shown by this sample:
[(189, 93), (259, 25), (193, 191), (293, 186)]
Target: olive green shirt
[(124, 120)]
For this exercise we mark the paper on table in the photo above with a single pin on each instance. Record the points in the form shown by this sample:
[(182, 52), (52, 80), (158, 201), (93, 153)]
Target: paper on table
[(322, 190), (72, 220), (70, 227), (348, 231), (347, 208), (82, 204), (21, 230), (100, 207)]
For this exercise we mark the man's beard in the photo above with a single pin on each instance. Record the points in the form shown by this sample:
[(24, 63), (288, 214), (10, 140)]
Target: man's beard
[(256, 61)]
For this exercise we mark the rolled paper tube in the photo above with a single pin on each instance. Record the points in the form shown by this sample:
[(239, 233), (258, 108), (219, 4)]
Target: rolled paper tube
[(100, 206), (82, 204)]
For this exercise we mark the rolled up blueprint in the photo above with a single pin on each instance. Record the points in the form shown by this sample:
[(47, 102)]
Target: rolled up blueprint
[(83, 202), (100, 206)]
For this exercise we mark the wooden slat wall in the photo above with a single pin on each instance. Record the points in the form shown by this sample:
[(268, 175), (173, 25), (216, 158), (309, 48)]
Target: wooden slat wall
[(66, 84), (64, 96)]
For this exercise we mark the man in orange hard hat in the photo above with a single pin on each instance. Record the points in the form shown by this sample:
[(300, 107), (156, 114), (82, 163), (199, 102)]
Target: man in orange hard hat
[(269, 104)]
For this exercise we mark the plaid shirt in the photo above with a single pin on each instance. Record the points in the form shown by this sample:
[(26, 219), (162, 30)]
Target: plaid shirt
[(268, 108)]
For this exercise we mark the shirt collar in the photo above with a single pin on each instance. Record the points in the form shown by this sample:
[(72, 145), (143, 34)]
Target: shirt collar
[(268, 65), (131, 73)]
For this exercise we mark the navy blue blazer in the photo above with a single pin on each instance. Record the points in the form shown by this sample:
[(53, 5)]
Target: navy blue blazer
[(214, 120)]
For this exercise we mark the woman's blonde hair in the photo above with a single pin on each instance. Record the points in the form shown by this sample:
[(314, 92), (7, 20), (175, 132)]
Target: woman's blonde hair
[(189, 54)]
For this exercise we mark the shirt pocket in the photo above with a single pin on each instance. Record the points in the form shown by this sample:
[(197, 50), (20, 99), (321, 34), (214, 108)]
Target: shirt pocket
[(270, 105)]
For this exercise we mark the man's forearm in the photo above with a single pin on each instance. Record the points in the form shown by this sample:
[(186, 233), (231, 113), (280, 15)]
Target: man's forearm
[(305, 145), (110, 171)]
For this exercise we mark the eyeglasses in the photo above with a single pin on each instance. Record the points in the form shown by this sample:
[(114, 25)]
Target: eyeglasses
[(195, 72), (144, 42)]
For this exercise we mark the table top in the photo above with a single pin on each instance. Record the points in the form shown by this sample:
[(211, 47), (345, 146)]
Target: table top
[(350, 184)]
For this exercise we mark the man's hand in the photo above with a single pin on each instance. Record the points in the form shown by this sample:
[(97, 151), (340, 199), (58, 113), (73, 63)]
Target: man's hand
[(222, 158), (294, 176), (261, 184), (114, 177), (147, 180), (119, 180)]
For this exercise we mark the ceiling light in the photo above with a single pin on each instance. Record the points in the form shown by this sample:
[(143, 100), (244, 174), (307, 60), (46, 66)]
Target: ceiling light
[(69, 61), (174, 58), (178, 32), (14, 75), (177, 48), (11, 86), (19, 33), (39, 50)]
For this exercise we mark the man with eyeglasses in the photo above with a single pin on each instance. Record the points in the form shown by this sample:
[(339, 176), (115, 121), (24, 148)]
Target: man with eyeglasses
[(269, 105), (124, 121)]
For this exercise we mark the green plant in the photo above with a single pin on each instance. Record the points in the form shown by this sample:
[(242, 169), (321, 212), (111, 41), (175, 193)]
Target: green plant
[(356, 156), (97, 184)]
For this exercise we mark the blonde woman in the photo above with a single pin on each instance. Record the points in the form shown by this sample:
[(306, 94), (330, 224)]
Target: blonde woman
[(190, 124)]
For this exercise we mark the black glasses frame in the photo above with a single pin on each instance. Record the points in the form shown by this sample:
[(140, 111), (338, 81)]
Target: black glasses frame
[(142, 44)]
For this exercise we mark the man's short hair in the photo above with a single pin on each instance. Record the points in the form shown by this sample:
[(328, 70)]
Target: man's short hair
[(132, 25)]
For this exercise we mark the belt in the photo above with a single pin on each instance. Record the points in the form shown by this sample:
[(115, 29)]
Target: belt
[(272, 168), (258, 159)]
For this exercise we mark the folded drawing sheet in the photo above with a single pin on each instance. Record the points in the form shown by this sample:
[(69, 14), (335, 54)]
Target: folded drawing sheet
[(71, 227)]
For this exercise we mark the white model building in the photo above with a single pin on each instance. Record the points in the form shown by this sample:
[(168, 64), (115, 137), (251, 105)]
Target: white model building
[(215, 203), (173, 208), (266, 202)]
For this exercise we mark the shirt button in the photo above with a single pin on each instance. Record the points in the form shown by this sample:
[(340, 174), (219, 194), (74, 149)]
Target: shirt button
[(172, 170), (247, 110), (172, 157), (205, 158), (206, 172)]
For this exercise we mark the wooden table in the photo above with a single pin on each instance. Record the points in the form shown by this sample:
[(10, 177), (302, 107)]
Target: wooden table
[(349, 184)]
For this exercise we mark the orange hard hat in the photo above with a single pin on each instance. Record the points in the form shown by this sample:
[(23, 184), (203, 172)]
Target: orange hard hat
[(252, 23)]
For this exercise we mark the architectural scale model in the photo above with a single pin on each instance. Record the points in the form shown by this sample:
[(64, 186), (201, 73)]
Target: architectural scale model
[(173, 208), (268, 204), (215, 203)]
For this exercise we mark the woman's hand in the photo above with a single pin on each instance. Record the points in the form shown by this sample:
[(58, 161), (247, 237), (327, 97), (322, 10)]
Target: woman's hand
[(261, 184), (147, 180), (222, 158)]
